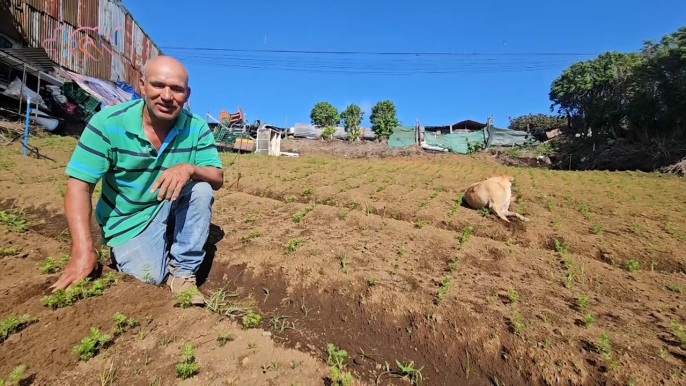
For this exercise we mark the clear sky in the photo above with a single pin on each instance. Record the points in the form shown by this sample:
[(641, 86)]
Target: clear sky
[(434, 89)]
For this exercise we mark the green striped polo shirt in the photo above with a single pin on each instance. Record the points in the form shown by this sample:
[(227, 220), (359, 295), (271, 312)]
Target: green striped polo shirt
[(114, 148)]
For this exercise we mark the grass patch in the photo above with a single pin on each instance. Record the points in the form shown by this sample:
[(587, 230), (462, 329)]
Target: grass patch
[(9, 251), (15, 377), (81, 290)]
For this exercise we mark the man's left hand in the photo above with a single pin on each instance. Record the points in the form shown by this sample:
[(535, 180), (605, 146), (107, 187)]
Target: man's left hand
[(171, 181)]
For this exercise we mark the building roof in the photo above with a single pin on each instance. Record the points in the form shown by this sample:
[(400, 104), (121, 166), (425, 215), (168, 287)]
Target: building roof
[(467, 124)]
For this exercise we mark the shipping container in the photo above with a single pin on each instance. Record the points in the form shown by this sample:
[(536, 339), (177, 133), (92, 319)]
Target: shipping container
[(52, 8), (117, 70), (144, 51), (112, 23), (137, 47)]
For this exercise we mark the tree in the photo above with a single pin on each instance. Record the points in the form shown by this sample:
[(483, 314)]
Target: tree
[(383, 119), (531, 122), (352, 117), (324, 114)]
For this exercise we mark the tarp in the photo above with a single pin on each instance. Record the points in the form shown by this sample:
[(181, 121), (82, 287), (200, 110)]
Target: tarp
[(403, 136), (496, 136), (105, 91), (460, 143), (129, 89)]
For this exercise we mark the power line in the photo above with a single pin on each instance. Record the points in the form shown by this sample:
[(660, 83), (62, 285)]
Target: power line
[(378, 52)]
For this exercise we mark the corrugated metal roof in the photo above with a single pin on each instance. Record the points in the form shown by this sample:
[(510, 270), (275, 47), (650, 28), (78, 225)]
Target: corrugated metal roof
[(36, 57)]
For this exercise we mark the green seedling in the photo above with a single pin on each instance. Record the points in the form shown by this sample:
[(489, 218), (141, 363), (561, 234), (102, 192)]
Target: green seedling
[(679, 331), (250, 217), (335, 357), (280, 324), (603, 345), (9, 251), (91, 344), (62, 298), (292, 245), (341, 378), (512, 295), (122, 323), (14, 221), (452, 264), (13, 324), (185, 298), (408, 370), (298, 216), (561, 247), (187, 367), (518, 323), (676, 288), (224, 337), (50, 265), (307, 191), (466, 233), (633, 266), (15, 377), (443, 289), (251, 320)]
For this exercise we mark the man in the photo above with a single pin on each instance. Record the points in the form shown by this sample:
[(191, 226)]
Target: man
[(159, 167)]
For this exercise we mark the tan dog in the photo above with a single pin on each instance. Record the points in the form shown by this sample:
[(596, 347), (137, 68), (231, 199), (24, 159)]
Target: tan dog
[(494, 193)]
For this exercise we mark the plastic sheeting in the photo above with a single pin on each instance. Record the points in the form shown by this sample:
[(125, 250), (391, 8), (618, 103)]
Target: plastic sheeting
[(129, 89), (460, 143), (496, 136), (104, 91), (403, 136)]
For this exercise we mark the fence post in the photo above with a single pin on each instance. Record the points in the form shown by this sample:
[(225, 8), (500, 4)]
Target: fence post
[(26, 129)]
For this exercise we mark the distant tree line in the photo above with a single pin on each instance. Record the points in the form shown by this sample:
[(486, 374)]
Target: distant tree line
[(382, 117), (637, 95)]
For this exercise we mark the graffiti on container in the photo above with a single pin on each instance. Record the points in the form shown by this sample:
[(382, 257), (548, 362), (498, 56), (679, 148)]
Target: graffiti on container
[(79, 44)]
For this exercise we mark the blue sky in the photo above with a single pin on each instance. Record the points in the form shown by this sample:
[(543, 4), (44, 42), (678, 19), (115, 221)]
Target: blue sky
[(490, 27)]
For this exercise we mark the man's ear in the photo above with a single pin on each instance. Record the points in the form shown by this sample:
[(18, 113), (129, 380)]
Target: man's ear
[(141, 85), (188, 94)]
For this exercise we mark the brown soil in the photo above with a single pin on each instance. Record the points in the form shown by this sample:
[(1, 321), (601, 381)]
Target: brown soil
[(372, 253)]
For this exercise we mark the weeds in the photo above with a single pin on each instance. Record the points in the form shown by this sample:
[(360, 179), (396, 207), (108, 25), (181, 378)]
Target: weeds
[(187, 367), (518, 323), (340, 377), (452, 263), (62, 298), (91, 344), (280, 324), (15, 377), (13, 324), (408, 370), (14, 221), (603, 345), (443, 289)]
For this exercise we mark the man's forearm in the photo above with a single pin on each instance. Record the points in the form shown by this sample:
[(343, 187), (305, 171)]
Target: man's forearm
[(78, 208), (210, 174)]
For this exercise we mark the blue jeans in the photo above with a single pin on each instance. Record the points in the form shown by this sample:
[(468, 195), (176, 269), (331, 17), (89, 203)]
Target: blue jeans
[(149, 256)]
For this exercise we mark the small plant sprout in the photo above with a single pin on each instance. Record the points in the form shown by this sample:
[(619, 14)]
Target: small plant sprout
[(335, 357), (603, 345), (14, 222), (343, 259), (443, 289), (251, 320), (50, 265), (340, 377), (466, 233), (122, 323), (9, 251), (224, 337), (187, 367), (679, 332), (12, 324), (633, 266), (408, 370), (78, 291), (91, 344), (512, 295), (185, 298), (15, 377), (293, 245)]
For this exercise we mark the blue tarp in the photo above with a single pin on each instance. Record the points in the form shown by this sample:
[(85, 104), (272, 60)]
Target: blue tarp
[(126, 87)]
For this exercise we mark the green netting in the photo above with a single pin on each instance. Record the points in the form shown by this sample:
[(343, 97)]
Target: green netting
[(403, 136), (456, 142), (506, 137)]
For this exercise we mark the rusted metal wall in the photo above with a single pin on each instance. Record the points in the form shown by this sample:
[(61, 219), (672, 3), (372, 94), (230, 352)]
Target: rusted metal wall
[(119, 48)]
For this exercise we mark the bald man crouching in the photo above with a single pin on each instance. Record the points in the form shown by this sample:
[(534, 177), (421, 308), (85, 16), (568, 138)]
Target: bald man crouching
[(159, 167)]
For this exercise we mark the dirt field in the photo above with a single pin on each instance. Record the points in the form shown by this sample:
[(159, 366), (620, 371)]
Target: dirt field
[(376, 257)]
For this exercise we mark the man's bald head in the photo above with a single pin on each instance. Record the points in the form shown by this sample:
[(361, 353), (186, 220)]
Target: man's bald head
[(164, 86)]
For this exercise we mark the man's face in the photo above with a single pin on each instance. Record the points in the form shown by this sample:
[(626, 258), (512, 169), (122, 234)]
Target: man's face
[(165, 91)]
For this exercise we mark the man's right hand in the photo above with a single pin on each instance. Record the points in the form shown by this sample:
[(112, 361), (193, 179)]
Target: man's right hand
[(80, 266)]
